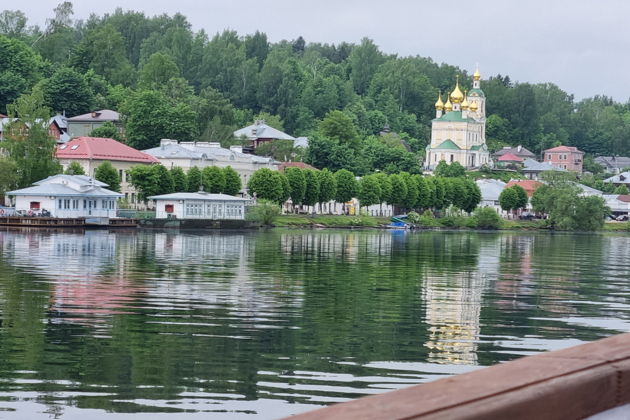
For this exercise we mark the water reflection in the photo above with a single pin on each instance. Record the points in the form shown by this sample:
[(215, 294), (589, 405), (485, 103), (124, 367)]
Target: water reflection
[(271, 323)]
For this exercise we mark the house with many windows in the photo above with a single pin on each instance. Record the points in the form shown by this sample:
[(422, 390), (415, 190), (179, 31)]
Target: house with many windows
[(199, 205), (565, 157), (66, 196)]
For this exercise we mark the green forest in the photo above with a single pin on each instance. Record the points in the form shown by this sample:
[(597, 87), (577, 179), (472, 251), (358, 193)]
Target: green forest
[(169, 81)]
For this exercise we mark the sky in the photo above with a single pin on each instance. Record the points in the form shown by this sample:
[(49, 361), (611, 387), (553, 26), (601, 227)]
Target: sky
[(580, 45)]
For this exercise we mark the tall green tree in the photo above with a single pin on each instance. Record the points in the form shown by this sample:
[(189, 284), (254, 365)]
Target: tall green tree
[(149, 117), (145, 180), (213, 179), (264, 184), (347, 186), (399, 190), (180, 182), (28, 143), (297, 184), (67, 91), (311, 192), (327, 186), (164, 179), (103, 50), (20, 69), (157, 72), (338, 126), (364, 61), (369, 191), (195, 179), (232, 181), (105, 172)]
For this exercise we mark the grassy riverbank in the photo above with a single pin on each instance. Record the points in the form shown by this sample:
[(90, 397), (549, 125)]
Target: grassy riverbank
[(455, 222)]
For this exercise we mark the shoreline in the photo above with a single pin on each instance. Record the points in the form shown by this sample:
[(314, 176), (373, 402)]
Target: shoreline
[(381, 223)]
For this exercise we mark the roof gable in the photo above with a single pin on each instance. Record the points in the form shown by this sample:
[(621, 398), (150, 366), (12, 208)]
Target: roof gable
[(260, 130), (448, 144)]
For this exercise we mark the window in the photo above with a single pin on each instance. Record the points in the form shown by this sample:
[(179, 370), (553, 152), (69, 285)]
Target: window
[(194, 209), (59, 203), (75, 204), (549, 156), (169, 208), (34, 205), (452, 157)]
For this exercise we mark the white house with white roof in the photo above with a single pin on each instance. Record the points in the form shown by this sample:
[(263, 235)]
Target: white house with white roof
[(66, 196), (199, 205), (185, 155)]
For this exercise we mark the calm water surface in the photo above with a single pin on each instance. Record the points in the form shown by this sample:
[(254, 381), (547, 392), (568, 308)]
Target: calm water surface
[(148, 325)]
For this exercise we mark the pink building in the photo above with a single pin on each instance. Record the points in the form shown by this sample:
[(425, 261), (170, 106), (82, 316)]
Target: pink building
[(565, 157)]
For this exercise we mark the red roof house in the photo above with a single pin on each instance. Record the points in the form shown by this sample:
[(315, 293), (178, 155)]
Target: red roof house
[(527, 184), (565, 157), (90, 152), (509, 157)]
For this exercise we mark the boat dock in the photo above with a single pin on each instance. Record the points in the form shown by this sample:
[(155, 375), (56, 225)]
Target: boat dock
[(57, 222)]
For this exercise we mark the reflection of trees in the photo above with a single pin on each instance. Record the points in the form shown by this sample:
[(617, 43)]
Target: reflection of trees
[(221, 312)]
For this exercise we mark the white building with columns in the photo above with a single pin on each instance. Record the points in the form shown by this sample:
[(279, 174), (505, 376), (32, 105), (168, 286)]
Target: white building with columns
[(458, 132)]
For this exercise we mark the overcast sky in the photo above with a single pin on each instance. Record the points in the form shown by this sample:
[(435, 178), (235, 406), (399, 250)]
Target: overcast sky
[(580, 45)]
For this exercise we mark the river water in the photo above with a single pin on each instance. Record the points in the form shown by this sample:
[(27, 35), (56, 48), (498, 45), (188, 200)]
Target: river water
[(147, 325)]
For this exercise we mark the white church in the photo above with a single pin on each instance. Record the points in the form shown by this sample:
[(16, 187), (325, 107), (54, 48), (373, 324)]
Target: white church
[(458, 132)]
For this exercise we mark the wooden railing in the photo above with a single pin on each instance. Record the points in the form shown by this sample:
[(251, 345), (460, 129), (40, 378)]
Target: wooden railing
[(573, 383)]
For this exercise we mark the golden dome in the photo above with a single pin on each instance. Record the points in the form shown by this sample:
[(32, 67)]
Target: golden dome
[(465, 103), (439, 105), (456, 95), (476, 75), (473, 106), (448, 106)]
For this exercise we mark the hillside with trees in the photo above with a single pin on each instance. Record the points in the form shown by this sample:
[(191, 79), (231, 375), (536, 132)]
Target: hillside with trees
[(169, 81)]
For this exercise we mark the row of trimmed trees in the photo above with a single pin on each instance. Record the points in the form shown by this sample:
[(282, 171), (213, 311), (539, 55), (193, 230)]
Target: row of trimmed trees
[(156, 180), (403, 190)]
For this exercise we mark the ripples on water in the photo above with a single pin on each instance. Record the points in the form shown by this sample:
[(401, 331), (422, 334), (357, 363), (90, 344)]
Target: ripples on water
[(262, 325)]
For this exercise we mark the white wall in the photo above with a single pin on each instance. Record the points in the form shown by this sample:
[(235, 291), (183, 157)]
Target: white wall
[(99, 207), (204, 209)]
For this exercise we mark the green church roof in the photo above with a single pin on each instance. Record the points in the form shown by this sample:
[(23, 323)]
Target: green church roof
[(448, 144), (454, 116), (477, 147), (476, 92)]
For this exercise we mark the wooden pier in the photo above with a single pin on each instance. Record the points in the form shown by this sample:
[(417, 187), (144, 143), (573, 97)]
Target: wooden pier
[(56, 222)]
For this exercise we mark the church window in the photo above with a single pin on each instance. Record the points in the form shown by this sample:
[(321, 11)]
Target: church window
[(452, 157)]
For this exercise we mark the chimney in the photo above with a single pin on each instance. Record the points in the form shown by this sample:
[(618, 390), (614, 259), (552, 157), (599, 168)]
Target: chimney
[(519, 148)]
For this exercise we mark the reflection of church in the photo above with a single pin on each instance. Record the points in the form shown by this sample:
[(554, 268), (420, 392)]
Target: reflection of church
[(453, 307), (458, 132)]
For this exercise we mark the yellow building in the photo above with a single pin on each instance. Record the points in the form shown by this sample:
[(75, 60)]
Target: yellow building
[(458, 132)]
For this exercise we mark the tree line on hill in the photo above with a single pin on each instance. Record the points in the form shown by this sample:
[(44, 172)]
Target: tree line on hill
[(171, 81)]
